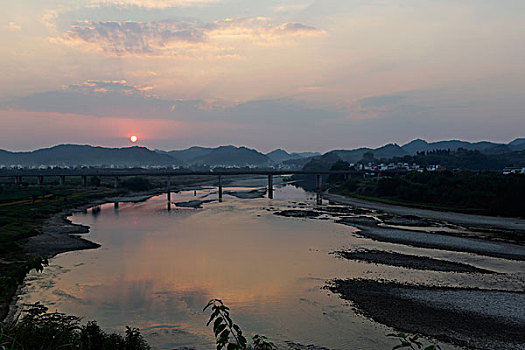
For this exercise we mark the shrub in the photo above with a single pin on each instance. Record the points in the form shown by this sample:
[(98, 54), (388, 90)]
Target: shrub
[(39, 329)]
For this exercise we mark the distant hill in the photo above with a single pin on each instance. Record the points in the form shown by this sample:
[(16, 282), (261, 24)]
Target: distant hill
[(232, 156), (415, 146), (296, 163), (518, 144), (306, 154), (353, 156), (197, 157), (280, 155), (487, 147), (325, 161), (187, 155), (78, 155)]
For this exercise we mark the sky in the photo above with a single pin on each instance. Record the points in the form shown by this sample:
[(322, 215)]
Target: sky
[(303, 75)]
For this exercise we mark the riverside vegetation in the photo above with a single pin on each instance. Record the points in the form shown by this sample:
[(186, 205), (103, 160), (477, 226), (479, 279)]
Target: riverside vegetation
[(485, 193)]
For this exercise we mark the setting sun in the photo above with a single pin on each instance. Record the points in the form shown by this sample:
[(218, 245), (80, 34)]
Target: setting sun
[(133, 138)]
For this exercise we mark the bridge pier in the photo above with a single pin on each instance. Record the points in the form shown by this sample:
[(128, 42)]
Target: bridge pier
[(40, 180), (18, 181), (84, 180), (220, 188), (168, 190), (115, 184), (319, 199), (270, 186), (62, 180)]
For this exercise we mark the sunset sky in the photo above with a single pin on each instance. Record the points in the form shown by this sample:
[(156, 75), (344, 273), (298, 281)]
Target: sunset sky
[(297, 74)]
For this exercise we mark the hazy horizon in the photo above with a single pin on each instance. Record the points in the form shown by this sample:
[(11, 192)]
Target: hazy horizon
[(126, 143)]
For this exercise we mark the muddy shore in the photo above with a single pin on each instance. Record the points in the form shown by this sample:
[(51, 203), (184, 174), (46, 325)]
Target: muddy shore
[(443, 242), (489, 320), (408, 261), (60, 235)]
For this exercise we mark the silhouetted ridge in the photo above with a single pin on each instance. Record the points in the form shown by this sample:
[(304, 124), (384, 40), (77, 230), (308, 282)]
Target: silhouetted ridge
[(85, 155)]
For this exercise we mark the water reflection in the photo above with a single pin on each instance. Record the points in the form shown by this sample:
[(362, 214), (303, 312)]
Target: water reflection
[(95, 211)]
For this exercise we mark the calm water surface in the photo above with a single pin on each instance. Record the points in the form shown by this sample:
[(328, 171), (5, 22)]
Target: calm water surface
[(156, 269)]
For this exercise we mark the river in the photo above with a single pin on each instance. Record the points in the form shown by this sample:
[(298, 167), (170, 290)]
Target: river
[(156, 269)]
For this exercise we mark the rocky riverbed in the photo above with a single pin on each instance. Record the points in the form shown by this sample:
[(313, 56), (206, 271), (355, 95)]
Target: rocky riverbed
[(489, 315)]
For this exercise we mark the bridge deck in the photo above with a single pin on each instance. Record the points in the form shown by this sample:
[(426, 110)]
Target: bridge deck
[(144, 172)]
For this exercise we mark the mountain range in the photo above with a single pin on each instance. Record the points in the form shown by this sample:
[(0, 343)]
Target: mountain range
[(484, 146), (229, 156), (84, 155)]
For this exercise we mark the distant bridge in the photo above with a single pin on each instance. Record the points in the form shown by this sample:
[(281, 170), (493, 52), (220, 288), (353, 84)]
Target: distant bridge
[(83, 174)]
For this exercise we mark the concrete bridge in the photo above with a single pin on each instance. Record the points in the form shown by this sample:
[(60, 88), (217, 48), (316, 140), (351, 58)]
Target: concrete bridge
[(116, 174)]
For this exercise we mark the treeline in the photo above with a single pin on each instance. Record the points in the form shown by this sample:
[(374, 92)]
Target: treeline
[(463, 159), (480, 193)]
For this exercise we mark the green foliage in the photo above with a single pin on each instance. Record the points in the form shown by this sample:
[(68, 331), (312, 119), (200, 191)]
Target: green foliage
[(228, 334), (480, 193), (137, 184), (260, 342), (411, 341), (39, 329)]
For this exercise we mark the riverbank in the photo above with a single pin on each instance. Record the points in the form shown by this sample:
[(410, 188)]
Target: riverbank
[(60, 235), (423, 229), (493, 224), (483, 193), (407, 261), (482, 319)]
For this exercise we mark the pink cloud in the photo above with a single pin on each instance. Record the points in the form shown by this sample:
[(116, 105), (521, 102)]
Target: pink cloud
[(181, 38)]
